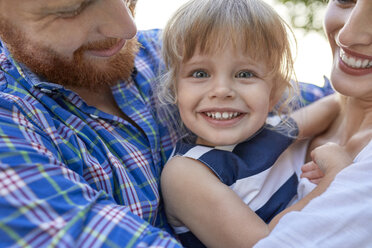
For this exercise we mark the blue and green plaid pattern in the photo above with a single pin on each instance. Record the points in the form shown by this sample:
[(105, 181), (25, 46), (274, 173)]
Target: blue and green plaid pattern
[(73, 176)]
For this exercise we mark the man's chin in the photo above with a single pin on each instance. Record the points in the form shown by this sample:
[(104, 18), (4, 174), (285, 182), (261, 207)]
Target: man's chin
[(79, 72), (90, 73)]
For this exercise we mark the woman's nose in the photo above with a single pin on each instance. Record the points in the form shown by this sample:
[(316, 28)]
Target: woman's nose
[(357, 29), (116, 20)]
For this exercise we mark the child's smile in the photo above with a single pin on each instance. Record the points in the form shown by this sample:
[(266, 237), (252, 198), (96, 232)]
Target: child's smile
[(223, 117)]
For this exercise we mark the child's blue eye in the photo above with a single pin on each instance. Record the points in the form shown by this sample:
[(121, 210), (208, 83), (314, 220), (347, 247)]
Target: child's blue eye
[(244, 74), (200, 74)]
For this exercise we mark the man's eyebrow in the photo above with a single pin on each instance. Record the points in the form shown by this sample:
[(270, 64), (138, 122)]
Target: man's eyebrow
[(64, 5)]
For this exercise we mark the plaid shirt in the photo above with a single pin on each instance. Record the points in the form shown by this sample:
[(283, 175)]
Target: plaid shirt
[(73, 176)]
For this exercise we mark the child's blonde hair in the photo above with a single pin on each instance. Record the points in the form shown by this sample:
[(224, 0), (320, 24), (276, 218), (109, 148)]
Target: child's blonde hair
[(211, 25)]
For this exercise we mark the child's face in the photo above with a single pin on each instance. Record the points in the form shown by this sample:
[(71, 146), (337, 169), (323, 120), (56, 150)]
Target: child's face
[(223, 97)]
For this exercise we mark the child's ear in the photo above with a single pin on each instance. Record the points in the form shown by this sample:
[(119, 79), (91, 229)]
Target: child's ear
[(277, 91)]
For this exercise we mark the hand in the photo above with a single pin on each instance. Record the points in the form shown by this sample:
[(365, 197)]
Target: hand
[(312, 172), (331, 158)]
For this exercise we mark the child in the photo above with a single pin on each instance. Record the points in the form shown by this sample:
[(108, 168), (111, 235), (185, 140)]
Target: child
[(229, 63)]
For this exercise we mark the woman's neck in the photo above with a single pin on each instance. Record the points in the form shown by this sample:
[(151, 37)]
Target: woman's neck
[(355, 117), (354, 125), (352, 128)]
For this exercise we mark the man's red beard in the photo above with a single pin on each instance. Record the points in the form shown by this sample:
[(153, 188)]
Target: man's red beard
[(78, 72)]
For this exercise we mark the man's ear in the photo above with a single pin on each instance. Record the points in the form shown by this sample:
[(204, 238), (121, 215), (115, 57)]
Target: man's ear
[(132, 7)]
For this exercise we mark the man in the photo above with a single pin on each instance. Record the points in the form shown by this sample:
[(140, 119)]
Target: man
[(81, 150)]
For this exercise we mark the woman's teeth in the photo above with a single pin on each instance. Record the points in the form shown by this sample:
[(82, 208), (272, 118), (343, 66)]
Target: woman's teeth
[(355, 62), (222, 115)]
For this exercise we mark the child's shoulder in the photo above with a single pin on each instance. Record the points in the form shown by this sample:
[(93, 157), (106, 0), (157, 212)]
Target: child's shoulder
[(179, 170)]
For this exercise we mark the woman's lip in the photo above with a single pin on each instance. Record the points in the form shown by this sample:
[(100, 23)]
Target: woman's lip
[(353, 71), (355, 54), (108, 52)]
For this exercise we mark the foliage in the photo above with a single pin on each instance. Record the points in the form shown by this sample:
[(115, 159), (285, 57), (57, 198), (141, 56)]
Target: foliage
[(306, 14)]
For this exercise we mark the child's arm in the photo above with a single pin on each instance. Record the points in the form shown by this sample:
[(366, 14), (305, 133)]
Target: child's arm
[(194, 196), (316, 117)]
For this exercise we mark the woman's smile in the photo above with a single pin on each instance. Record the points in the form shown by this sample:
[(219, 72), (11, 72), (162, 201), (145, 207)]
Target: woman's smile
[(354, 64)]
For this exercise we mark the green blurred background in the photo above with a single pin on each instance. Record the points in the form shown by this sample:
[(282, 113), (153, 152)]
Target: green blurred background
[(305, 14)]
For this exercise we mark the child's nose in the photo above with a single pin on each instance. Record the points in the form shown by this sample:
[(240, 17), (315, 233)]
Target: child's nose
[(222, 88)]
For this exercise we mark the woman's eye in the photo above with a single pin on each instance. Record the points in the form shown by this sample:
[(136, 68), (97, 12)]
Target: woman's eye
[(345, 2), (244, 74), (200, 74)]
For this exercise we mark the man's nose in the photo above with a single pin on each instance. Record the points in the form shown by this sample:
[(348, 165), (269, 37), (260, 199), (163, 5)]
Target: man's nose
[(115, 20)]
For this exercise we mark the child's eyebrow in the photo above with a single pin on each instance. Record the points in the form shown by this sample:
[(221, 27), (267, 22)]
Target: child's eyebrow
[(194, 61)]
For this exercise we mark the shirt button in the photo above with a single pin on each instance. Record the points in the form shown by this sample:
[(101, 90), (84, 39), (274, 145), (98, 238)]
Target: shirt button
[(46, 91)]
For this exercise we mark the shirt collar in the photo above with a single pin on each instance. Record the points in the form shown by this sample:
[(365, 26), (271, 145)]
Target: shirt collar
[(33, 79)]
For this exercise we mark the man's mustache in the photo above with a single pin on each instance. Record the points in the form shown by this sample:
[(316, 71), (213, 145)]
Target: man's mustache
[(99, 45)]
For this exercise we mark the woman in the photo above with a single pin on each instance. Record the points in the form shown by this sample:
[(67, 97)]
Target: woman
[(341, 216)]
